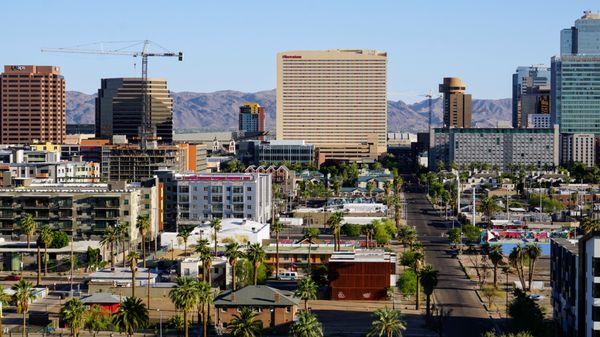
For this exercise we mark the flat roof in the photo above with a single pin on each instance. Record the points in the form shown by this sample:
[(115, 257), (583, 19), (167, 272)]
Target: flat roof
[(364, 256), (569, 244)]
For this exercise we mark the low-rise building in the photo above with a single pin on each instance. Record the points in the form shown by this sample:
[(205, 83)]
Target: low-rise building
[(319, 216), (275, 308), (220, 270), (294, 255), (121, 276), (106, 301), (282, 176), (361, 274)]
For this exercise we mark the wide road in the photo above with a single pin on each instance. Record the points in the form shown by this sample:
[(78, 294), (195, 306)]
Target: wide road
[(454, 290)]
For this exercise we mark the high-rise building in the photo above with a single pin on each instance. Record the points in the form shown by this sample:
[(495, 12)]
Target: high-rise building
[(120, 108), (457, 104), (530, 94), (33, 104), (578, 147), (252, 120), (335, 100), (575, 76), (583, 38)]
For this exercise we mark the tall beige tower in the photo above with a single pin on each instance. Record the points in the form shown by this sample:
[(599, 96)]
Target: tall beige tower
[(33, 105), (335, 100), (457, 104)]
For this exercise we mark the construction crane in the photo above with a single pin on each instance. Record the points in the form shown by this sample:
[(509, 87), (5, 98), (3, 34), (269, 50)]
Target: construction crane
[(147, 132), (429, 96)]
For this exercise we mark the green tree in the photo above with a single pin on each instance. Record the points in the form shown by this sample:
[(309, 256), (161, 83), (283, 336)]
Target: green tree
[(204, 295), (489, 292), (255, 254), (132, 315), (96, 320), (110, 238), (23, 295), (45, 239), (73, 314), (176, 322), (27, 226), (310, 234), (472, 233), (245, 275), (185, 297), (335, 222), (233, 253), (455, 236), (387, 322), (407, 283), (123, 234), (407, 236), (351, 230), (94, 259), (5, 301), (532, 252), (143, 225), (184, 234), (307, 290), (516, 258), (306, 325), (526, 314), (495, 256), (216, 226), (245, 324), (488, 207), (60, 239), (429, 280)]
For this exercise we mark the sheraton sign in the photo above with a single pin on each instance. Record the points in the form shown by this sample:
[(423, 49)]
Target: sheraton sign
[(219, 178), (291, 56)]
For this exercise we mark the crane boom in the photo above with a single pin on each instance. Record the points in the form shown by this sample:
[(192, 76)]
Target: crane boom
[(146, 132)]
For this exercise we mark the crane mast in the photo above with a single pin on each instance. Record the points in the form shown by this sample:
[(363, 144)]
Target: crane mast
[(147, 132)]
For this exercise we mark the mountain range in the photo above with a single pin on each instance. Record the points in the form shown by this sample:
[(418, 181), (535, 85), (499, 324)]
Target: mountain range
[(217, 111)]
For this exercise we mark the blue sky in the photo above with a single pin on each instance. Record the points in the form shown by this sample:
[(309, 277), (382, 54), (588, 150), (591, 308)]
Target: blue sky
[(232, 44)]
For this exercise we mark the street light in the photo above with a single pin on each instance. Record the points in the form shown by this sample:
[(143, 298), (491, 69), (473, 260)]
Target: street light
[(159, 323)]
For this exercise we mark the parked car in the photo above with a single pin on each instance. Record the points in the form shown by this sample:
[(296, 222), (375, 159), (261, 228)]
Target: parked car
[(288, 276), (12, 277)]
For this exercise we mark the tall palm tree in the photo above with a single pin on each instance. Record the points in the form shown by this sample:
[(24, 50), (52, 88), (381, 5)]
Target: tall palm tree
[(132, 314), (110, 238), (533, 252), (24, 294), (277, 227), (245, 324), (233, 254), (335, 224), (73, 314), (310, 234), (204, 295), (488, 207), (255, 254), (184, 233), (429, 280), (203, 249), (387, 323), (306, 325), (46, 237), (516, 259), (133, 258), (495, 255), (123, 235), (5, 300), (398, 182), (368, 230), (216, 226), (307, 290), (27, 226), (143, 225), (397, 208), (185, 297), (416, 267), (206, 258)]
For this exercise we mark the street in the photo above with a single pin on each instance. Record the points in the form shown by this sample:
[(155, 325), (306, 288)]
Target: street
[(454, 290)]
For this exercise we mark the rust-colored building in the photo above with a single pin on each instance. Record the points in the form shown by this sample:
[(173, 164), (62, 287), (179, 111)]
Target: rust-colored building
[(361, 274), (275, 308), (457, 104), (33, 105)]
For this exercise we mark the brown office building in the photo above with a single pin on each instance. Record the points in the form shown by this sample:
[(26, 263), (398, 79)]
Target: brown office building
[(33, 105), (457, 104)]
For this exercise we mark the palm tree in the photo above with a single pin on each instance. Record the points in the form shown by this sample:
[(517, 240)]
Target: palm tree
[(397, 208), (185, 297), (123, 234), (96, 320), (46, 237), (143, 225), (233, 254), (429, 280), (203, 249), (533, 252), (310, 234), (216, 225), (204, 295), (245, 324), (306, 325), (277, 228), (335, 224), (516, 259), (110, 238), (488, 207), (73, 314), (27, 226), (5, 300), (387, 323), (24, 294), (588, 225), (184, 234), (495, 255), (255, 254), (132, 314), (133, 257), (307, 290), (206, 258), (416, 267), (398, 182), (368, 230)]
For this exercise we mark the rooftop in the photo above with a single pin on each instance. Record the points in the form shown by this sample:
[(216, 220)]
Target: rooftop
[(101, 298), (569, 244), (258, 296), (364, 256)]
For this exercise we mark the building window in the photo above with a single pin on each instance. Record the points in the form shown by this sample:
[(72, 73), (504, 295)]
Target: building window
[(596, 314), (596, 290), (126, 202), (596, 266)]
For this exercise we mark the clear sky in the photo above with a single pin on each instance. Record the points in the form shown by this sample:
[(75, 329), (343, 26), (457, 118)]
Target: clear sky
[(232, 44)]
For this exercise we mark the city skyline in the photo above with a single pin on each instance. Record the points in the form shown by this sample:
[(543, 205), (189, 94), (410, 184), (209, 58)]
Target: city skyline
[(219, 41)]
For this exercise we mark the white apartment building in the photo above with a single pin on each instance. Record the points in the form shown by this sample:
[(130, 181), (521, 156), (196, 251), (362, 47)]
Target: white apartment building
[(227, 195), (578, 147), (335, 100)]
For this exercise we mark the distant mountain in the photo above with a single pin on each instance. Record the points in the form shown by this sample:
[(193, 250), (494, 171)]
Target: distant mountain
[(217, 111)]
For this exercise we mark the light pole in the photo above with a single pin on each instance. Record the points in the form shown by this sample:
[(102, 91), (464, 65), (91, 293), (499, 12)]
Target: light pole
[(159, 323)]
